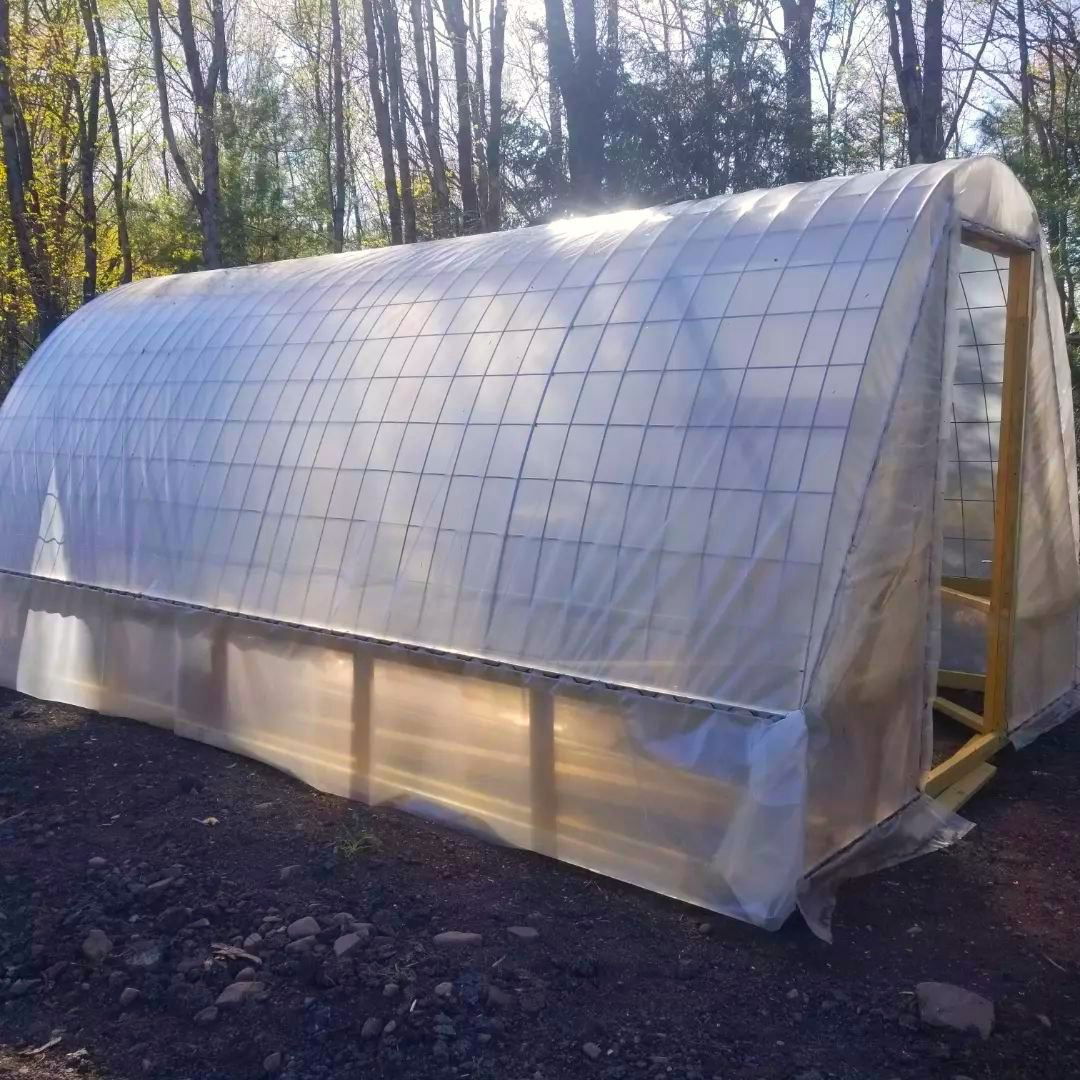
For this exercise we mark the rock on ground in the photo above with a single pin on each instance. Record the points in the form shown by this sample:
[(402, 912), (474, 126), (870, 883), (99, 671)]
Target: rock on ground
[(305, 927), (97, 946), (238, 992), (457, 939), (945, 1005)]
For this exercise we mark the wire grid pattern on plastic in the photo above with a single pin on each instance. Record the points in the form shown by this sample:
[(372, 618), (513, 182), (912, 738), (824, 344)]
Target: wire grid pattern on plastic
[(970, 470), (606, 446)]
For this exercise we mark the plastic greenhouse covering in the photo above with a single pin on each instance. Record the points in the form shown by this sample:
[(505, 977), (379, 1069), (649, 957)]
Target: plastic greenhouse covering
[(617, 538)]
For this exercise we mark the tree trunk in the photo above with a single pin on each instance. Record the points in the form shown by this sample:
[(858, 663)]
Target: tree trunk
[(577, 77), (1025, 79), (22, 197), (494, 140), (337, 124), (395, 82), (470, 202), (382, 121), (558, 139), (933, 134), (207, 199), (904, 50), (88, 139), (798, 113), (119, 193), (440, 190), (204, 93), (479, 111)]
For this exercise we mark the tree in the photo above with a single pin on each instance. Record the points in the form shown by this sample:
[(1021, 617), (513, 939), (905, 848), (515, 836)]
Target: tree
[(454, 17), (202, 87), (22, 191), (391, 51), (119, 192), (427, 81), (918, 77), (337, 124), (381, 110), (799, 116), (576, 71)]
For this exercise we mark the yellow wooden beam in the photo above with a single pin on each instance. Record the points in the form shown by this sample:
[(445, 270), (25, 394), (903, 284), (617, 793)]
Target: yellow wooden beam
[(961, 715), (1007, 490), (983, 240), (967, 599), (972, 754), (954, 796), (973, 586), (948, 679)]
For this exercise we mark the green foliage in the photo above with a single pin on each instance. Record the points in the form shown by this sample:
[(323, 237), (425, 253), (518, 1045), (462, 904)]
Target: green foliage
[(165, 233)]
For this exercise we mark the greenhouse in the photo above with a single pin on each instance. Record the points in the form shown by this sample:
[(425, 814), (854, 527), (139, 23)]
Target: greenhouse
[(678, 544)]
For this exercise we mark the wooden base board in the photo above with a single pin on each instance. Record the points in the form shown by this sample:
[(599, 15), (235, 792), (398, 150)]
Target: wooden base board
[(977, 750), (952, 798)]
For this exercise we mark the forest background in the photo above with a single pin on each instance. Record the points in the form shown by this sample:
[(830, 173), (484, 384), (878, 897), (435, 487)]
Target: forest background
[(146, 137)]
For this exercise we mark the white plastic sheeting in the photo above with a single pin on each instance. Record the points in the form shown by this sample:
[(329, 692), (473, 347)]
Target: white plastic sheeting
[(699, 450)]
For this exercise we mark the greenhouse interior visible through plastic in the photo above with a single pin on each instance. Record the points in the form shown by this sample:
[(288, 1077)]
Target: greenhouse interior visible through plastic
[(635, 539)]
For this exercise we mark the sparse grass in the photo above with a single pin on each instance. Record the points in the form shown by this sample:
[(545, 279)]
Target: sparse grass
[(355, 839)]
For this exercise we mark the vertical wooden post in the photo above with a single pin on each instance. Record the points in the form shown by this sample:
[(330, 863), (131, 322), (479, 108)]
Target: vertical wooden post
[(217, 678), (542, 793), (363, 670), (1007, 492)]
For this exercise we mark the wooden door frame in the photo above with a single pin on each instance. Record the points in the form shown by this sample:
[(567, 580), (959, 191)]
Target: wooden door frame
[(957, 777)]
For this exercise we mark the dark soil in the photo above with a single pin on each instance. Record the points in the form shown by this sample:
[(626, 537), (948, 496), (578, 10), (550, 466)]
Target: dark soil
[(618, 984)]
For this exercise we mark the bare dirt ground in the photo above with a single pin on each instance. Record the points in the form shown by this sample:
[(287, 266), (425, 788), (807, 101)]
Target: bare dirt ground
[(169, 848)]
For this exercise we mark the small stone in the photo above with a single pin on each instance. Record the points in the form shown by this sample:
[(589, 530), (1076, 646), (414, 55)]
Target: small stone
[(457, 939), (97, 863), (145, 953), (237, 993), (1043, 1019), (946, 1005), (252, 941), (305, 927), (372, 1028), (155, 888), (793, 994), (22, 987), (263, 807), (391, 1027), (173, 918), (272, 1063), (199, 924), (591, 1051), (291, 873), (523, 933), (97, 946), (500, 998), (247, 974), (444, 989), (129, 997), (346, 943), (207, 1015), (705, 928), (391, 990), (301, 945)]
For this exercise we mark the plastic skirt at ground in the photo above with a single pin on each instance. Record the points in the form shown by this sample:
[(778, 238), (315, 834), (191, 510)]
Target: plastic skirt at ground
[(705, 805)]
